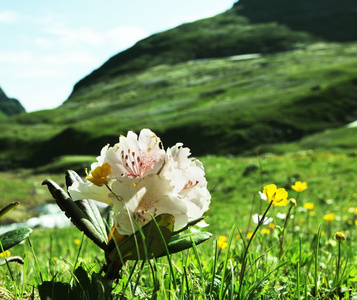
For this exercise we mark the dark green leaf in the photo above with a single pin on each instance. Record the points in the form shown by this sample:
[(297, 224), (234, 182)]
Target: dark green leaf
[(189, 224), (77, 216), (13, 237), (54, 291), (87, 206), (184, 241), (101, 287)]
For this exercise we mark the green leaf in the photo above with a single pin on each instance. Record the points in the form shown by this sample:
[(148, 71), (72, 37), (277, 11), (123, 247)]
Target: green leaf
[(98, 288), (101, 287), (13, 237), (87, 206), (189, 224), (184, 241), (76, 215), (8, 208), (54, 290)]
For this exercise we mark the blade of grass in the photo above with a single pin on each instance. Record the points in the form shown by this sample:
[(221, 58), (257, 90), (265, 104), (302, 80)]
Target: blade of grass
[(222, 288), (194, 247), (36, 260), (317, 260), (214, 268)]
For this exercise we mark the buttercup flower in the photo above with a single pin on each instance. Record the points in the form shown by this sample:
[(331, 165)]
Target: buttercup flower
[(222, 242), (140, 181), (329, 217), (272, 194), (309, 205), (6, 253), (299, 186), (265, 231)]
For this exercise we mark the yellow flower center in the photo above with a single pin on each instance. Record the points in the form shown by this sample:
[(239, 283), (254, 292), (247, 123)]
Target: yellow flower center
[(99, 176)]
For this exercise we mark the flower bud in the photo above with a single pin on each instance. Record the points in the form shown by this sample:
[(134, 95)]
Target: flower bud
[(339, 236)]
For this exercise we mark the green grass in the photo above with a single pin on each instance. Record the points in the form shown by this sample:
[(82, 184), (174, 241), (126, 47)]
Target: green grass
[(331, 187)]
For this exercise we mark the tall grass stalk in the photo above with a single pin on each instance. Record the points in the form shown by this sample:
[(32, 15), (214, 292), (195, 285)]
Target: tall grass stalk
[(222, 288), (242, 271), (316, 276)]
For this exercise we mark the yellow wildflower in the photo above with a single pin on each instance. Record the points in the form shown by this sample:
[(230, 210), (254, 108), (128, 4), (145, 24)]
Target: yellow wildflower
[(309, 205), (356, 222), (249, 235), (99, 176), (222, 242), (299, 186), (271, 225), (340, 236), (6, 253), (265, 231), (77, 241), (329, 217), (275, 195)]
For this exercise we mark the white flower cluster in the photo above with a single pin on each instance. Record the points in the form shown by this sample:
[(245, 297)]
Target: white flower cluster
[(140, 180)]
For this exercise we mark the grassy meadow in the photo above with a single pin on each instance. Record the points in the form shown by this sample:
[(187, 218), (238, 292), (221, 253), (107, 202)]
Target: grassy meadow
[(250, 92), (305, 265)]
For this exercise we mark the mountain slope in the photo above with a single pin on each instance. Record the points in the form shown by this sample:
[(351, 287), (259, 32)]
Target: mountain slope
[(331, 20), (225, 104), (251, 26), (9, 106)]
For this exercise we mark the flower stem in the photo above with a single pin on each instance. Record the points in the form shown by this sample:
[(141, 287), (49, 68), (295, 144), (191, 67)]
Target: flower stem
[(338, 265), (283, 232), (261, 222)]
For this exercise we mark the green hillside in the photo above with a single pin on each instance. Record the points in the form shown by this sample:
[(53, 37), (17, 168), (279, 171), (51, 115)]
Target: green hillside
[(9, 106), (223, 85)]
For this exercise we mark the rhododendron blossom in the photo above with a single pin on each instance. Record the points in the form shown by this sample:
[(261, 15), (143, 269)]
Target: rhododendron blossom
[(140, 181)]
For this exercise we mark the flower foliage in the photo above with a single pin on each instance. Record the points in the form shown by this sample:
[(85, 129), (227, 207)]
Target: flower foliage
[(140, 180)]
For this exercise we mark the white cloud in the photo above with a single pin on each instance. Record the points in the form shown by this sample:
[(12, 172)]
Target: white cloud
[(8, 16)]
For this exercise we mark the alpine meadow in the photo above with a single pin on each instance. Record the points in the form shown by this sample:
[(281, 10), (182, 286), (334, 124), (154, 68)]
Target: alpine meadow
[(214, 160)]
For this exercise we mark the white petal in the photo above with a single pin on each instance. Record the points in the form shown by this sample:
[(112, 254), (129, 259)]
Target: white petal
[(262, 196), (151, 196), (87, 190)]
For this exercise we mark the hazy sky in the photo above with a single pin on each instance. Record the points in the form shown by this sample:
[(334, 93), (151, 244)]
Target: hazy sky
[(47, 46)]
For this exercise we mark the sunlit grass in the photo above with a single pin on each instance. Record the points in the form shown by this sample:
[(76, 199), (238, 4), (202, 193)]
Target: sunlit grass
[(212, 270)]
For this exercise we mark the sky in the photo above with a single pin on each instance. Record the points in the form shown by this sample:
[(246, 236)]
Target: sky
[(48, 46)]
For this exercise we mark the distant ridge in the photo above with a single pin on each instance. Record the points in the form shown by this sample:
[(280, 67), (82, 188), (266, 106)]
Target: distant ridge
[(332, 20), (9, 106), (251, 26)]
